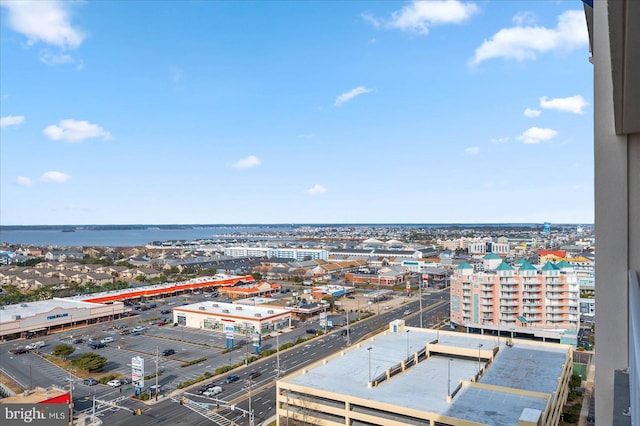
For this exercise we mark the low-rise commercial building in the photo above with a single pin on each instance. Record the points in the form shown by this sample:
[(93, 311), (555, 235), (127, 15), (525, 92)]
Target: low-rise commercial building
[(25, 320), (222, 317)]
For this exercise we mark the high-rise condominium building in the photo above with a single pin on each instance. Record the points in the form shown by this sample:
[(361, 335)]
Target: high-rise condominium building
[(521, 298)]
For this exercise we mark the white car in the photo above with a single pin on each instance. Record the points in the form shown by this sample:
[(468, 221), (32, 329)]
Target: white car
[(137, 329), (107, 340), (35, 345), (114, 383)]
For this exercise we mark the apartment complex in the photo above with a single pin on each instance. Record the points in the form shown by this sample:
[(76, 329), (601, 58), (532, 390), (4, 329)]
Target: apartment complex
[(519, 297), (415, 376), (298, 254)]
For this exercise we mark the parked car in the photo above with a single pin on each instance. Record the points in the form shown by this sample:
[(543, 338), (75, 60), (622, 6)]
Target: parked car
[(232, 378), (137, 329), (212, 391), (35, 345), (254, 374), (312, 331), (107, 340), (125, 380), (90, 381), (407, 312), (77, 341), (19, 351), (165, 311), (168, 352), (115, 383)]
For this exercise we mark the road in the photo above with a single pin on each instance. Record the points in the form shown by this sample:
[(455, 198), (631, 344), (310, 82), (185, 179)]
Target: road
[(263, 390)]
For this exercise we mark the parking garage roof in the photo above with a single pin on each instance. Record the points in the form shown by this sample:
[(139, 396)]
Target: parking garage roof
[(526, 366)]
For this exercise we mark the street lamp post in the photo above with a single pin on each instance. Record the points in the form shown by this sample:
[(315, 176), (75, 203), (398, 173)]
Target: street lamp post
[(420, 297), (449, 378), (369, 350), (408, 343)]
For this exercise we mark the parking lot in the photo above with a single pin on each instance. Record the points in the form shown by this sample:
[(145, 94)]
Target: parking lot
[(189, 344)]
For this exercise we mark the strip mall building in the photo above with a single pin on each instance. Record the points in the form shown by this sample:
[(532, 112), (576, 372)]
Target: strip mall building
[(33, 319)]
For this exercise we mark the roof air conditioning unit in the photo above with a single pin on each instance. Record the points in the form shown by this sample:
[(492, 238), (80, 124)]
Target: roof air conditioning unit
[(257, 315), (15, 317), (225, 311), (270, 311), (215, 305), (238, 308), (202, 308), (23, 305)]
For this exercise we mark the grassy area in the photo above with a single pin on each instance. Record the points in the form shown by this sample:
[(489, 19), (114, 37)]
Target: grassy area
[(65, 364)]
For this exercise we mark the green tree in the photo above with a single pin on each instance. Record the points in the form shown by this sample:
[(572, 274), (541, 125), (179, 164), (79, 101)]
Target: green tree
[(11, 295), (257, 276), (63, 350), (89, 361), (30, 262)]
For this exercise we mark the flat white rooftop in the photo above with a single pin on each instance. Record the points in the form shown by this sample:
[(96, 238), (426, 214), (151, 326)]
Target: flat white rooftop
[(425, 385), (247, 312), (30, 309)]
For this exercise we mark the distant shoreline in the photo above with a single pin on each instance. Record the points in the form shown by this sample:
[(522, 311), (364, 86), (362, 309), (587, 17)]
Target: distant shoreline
[(273, 225)]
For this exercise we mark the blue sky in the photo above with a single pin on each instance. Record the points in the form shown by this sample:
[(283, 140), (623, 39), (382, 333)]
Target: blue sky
[(295, 112)]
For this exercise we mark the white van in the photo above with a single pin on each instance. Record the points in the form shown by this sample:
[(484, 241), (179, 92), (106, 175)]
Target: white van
[(35, 345), (213, 391)]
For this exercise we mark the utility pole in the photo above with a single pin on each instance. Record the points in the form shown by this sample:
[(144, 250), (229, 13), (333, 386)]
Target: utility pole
[(246, 347), (70, 379), (277, 357), (348, 332), (420, 297), (157, 361), (250, 410)]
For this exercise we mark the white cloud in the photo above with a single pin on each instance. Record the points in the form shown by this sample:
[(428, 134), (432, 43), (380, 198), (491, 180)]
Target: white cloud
[(50, 58), (524, 42), (55, 177), (44, 21), (574, 104), (472, 150), (75, 131), (536, 135), (347, 96), (247, 163), (522, 18), (23, 180), (532, 112), (11, 120), (500, 140), (316, 189), (418, 16)]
